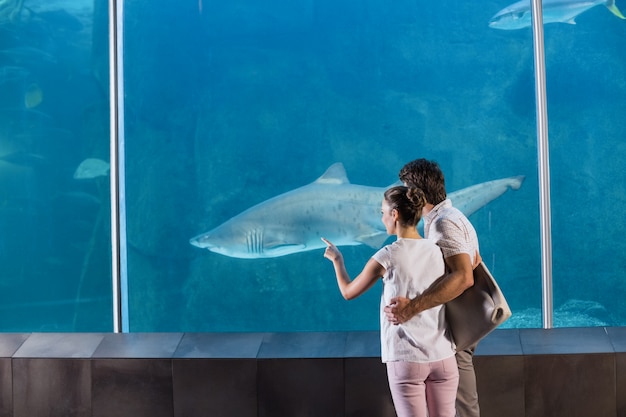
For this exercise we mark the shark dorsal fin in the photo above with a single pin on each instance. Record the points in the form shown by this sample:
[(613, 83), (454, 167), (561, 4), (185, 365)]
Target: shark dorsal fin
[(335, 174)]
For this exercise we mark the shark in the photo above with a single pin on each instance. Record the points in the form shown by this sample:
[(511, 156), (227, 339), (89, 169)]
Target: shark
[(331, 207), (519, 15)]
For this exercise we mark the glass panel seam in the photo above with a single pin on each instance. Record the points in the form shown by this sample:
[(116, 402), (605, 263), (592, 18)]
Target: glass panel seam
[(544, 164), (118, 211)]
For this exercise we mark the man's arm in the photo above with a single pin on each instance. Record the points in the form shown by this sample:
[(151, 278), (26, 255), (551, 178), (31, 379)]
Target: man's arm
[(445, 289)]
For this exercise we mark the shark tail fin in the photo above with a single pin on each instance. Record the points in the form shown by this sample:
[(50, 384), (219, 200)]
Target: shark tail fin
[(613, 8), (516, 182)]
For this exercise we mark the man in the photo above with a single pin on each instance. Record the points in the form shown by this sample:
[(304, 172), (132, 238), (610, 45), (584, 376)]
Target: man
[(456, 237)]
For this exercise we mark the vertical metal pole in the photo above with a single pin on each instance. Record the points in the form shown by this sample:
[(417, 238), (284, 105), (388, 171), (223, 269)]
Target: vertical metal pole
[(118, 205), (544, 163)]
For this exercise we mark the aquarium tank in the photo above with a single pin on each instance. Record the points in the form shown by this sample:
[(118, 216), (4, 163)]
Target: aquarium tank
[(250, 128)]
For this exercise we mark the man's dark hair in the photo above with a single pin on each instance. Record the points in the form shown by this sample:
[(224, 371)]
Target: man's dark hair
[(426, 175)]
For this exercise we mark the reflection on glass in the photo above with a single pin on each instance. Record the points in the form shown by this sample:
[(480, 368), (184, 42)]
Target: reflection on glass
[(54, 238)]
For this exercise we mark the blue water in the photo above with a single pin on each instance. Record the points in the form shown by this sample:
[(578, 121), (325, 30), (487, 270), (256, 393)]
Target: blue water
[(229, 104)]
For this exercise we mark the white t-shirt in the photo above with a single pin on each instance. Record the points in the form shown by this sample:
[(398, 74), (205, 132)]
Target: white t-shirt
[(451, 230), (412, 265)]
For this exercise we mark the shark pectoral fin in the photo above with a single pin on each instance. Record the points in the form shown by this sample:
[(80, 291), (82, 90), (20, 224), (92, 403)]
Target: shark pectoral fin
[(613, 8), (285, 245), (283, 248), (374, 240), (278, 244)]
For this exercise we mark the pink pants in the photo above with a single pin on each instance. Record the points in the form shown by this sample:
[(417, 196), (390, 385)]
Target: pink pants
[(424, 389)]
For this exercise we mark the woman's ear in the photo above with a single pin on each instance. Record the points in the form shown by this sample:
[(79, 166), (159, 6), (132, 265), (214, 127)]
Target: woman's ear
[(395, 214)]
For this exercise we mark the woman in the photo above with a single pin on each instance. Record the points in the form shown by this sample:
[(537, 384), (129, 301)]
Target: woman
[(421, 366)]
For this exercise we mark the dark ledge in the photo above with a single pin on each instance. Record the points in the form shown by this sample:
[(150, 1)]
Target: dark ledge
[(501, 342), (520, 373)]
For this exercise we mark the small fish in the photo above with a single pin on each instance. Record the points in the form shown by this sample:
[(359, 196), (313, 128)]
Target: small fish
[(519, 15), (33, 96), (91, 168)]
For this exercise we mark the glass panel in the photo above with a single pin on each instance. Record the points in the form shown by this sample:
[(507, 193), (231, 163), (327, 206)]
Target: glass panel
[(54, 141), (239, 102), (586, 85)]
